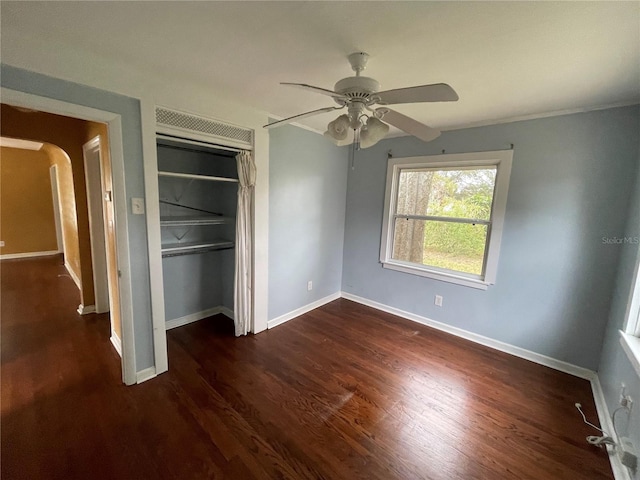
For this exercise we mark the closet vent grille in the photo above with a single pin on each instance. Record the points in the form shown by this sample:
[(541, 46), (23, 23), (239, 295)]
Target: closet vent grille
[(184, 121)]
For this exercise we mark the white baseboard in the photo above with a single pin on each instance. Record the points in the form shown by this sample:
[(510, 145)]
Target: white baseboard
[(482, 340), (11, 256), (194, 317), (73, 275), (86, 309), (117, 344), (302, 310), (146, 374), (620, 472), (227, 312)]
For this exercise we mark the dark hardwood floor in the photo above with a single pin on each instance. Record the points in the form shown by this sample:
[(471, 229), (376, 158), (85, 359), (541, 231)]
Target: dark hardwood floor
[(343, 392)]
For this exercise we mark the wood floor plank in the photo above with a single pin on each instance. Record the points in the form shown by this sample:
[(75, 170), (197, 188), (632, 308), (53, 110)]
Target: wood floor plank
[(342, 392)]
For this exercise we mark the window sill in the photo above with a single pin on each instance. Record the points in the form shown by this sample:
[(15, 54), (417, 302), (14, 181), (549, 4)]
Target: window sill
[(445, 277), (631, 346)]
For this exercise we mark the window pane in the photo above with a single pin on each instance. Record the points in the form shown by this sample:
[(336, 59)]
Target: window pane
[(459, 193), (452, 246)]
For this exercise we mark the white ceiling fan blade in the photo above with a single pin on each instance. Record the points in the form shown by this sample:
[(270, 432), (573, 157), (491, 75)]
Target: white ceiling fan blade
[(409, 125), (437, 92), (284, 121), (323, 91)]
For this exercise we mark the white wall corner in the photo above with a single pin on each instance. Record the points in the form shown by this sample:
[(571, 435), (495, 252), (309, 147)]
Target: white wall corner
[(302, 310)]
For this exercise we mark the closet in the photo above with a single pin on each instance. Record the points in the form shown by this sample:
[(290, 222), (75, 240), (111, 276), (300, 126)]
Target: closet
[(198, 187)]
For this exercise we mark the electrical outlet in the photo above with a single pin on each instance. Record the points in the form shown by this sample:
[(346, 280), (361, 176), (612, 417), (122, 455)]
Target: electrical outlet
[(627, 455), (438, 300), (625, 400), (1, 243), (309, 285)]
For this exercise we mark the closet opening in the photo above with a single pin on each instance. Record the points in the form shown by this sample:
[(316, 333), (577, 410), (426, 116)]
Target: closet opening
[(198, 194)]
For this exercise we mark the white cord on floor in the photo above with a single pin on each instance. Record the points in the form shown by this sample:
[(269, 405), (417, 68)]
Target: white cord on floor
[(604, 439), (579, 407)]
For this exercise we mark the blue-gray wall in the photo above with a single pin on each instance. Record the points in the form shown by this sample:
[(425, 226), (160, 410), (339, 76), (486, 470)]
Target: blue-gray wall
[(571, 180), (307, 188), (615, 367), (129, 110)]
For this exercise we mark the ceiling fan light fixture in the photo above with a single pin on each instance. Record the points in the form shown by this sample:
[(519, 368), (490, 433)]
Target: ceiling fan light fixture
[(339, 128), (372, 132)]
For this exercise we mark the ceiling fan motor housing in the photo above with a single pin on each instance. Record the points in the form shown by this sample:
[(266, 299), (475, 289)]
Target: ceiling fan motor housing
[(362, 88)]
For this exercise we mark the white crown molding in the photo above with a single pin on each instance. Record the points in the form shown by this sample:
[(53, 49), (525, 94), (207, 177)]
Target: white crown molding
[(494, 121), (536, 116)]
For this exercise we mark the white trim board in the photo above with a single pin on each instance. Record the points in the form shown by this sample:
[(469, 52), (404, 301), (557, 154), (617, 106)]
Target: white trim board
[(11, 256), (146, 374), (620, 472), (117, 344), (194, 317), (73, 275), (86, 309), (302, 310), (482, 340)]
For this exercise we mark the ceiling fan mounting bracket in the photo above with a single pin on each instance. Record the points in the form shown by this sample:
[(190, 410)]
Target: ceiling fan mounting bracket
[(358, 61)]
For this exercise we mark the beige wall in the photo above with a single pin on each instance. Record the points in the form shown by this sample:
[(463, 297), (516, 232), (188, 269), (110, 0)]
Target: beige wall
[(68, 218), (27, 222), (69, 134)]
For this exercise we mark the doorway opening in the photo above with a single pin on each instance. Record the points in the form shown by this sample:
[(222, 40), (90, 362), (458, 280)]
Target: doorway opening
[(82, 190)]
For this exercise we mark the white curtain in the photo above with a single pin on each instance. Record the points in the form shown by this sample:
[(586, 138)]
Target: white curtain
[(243, 300)]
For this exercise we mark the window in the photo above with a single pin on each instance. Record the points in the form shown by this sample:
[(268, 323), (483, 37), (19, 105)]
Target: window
[(443, 216), (630, 337)]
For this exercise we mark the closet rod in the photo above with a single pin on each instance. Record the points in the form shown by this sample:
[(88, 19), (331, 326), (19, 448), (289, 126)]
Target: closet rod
[(196, 143)]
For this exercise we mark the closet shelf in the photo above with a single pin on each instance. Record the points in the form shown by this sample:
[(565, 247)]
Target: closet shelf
[(186, 220), (197, 177), (188, 248)]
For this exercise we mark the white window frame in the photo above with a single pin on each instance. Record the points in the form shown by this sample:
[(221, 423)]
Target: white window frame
[(502, 160), (630, 335)]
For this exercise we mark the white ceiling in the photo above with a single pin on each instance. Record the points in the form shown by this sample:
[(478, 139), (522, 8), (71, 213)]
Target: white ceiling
[(506, 60)]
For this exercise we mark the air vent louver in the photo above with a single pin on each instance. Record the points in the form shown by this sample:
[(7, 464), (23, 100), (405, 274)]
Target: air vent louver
[(171, 118)]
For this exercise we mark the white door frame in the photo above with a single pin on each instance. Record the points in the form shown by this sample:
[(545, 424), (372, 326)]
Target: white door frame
[(114, 122), (95, 195), (57, 208)]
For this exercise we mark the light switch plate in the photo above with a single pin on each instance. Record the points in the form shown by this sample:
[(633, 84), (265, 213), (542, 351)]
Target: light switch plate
[(137, 206)]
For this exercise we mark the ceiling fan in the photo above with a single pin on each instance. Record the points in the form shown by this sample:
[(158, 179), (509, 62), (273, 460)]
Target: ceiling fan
[(360, 96)]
